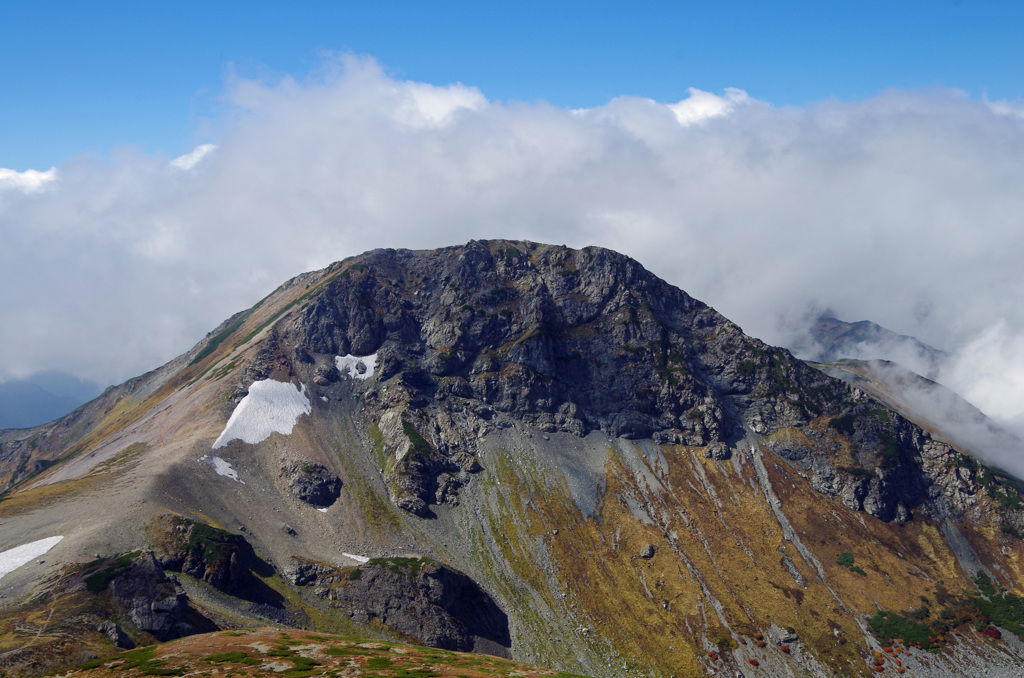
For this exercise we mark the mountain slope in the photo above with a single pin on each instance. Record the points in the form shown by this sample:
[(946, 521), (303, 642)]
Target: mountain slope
[(545, 453), (931, 406)]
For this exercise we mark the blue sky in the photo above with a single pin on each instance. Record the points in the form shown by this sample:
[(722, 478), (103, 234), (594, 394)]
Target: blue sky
[(90, 77)]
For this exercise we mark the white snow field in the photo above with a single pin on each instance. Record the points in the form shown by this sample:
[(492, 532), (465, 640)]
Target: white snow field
[(271, 407), (350, 364), (12, 559), (358, 559), (222, 467)]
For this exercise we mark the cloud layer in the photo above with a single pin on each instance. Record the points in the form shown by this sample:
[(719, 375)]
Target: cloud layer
[(905, 209)]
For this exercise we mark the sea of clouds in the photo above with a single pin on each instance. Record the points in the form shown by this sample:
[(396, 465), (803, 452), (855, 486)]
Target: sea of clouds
[(905, 209)]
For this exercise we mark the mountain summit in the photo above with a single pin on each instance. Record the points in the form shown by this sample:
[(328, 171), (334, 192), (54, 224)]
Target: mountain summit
[(531, 451)]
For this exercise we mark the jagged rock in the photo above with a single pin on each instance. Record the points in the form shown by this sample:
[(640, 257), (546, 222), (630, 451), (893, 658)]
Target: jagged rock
[(717, 451), (326, 374), (116, 634), (313, 483), (648, 551), (153, 602), (304, 572)]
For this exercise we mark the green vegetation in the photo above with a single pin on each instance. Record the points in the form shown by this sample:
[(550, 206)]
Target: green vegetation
[(145, 662), (414, 673), (99, 580), (891, 448), (990, 604), (999, 607), (215, 544), (234, 657), (846, 560), (843, 424), (888, 625), (420, 446), (378, 663), (399, 565), (219, 338)]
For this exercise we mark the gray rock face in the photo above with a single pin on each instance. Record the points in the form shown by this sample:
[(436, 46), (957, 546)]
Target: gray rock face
[(153, 602), (564, 340), (433, 603), (313, 483), (498, 333)]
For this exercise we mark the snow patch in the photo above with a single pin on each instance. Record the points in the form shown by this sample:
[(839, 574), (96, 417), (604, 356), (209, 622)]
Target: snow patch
[(358, 559), (323, 510), (12, 559), (271, 407), (350, 364), (222, 467)]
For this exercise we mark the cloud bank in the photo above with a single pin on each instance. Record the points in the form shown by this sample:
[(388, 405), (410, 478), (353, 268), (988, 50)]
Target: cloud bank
[(905, 209)]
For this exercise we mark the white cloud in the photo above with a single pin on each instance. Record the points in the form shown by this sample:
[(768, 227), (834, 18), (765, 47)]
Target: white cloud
[(430, 106), (989, 372), (29, 181), (194, 157), (904, 208), (701, 106)]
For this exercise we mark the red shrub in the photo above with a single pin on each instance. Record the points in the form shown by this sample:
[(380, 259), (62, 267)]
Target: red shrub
[(992, 633), (753, 662)]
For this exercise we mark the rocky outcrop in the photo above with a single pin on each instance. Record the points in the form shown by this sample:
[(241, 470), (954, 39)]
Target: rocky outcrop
[(313, 483), (219, 558), (154, 603), (428, 601)]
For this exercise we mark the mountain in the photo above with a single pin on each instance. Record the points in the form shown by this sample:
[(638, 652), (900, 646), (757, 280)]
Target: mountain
[(835, 339), (516, 449), (41, 398)]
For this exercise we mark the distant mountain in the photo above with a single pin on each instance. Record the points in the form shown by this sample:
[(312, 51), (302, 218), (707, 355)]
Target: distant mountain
[(508, 448), (865, 340), (41, 398)]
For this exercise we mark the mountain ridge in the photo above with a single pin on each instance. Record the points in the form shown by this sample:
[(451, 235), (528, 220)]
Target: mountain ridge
[(636, 484)]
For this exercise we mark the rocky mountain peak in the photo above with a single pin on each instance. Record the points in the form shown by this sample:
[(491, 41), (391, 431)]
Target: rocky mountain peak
[(609, 475)]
